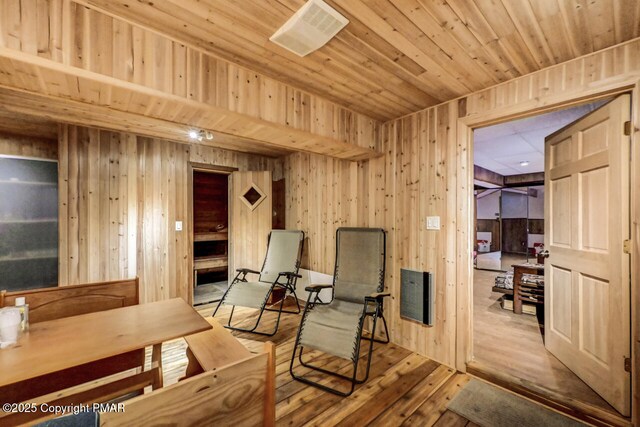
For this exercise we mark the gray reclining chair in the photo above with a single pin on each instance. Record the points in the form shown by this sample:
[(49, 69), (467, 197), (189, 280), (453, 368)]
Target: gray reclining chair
[(336, 328), (279, 271)]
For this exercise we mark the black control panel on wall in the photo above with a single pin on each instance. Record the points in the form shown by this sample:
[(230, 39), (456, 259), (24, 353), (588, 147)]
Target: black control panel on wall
[(416, 296)]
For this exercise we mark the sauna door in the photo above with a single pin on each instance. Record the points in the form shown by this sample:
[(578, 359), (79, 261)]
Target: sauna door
[(587, 284), (250, 219)]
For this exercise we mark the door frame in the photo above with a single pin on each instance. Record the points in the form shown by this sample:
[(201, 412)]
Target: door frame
[(191, 168), (465, 233)]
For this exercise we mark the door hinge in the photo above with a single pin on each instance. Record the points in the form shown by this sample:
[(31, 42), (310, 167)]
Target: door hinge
[(627, 128), (627, 364), (626, 246)]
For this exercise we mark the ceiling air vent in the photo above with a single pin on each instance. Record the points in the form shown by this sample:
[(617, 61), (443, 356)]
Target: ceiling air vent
[(310, 28)]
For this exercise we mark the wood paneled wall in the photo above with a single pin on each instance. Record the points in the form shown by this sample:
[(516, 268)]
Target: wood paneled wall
[(73, 52), (427, 170), (120, 196), (28, 146)]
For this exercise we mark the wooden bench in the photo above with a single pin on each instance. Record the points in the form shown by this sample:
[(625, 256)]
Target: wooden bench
[(212, 349), (60, 302), (239, 393), (65, 301)]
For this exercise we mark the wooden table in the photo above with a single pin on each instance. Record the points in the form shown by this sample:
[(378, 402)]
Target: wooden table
[(58, 345), (518, 271)]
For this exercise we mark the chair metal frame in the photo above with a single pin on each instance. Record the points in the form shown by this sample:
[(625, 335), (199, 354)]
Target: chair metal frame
[(289, 286), (375, 312)]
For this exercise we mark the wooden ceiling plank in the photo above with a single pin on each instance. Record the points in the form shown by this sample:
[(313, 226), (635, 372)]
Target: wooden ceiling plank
[(549, 18), (461, 33), (527, 26), (474, 20), (508, 35), (601, 23), (382, 28), (360, 38), (425, 34), (331, 60), (390, 66), (420, 16), (625, 17), (636, 29), (358, 31), (402, 94), (579, 34)]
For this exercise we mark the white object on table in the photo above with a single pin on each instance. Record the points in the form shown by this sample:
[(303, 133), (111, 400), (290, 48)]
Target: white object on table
[(10, 319)]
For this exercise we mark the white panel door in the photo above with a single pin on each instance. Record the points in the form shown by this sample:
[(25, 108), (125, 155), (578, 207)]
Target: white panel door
[(587, 282)]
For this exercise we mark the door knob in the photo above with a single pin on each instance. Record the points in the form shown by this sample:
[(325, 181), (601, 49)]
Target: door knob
[(545, 253)]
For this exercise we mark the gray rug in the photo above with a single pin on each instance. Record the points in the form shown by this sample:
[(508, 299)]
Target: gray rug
[(489, 406), (208, 293)]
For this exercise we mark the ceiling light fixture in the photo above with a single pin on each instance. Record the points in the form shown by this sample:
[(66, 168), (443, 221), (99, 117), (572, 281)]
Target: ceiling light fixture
[(524, 163), (200, 135)]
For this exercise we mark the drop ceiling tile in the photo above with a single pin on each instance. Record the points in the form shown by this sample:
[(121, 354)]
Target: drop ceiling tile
[(502, 147), (507, 171), (492, 132), (506, 145), (486, 163)]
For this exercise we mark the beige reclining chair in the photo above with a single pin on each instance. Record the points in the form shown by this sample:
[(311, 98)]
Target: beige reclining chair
[(336, 328), (279, 271)]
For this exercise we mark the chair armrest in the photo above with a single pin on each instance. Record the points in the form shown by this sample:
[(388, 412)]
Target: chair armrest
[(247, 270), (377, 296), (290, 274), (317, 288)]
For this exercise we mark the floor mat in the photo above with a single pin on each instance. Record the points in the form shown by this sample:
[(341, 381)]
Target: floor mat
[(490, 406), (208, 293)]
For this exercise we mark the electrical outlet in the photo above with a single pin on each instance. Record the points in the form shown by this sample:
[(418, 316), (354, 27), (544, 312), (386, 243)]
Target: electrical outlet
[(178, 225), (433, 223)]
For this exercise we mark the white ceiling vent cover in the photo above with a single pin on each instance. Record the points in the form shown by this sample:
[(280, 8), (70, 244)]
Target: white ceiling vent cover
[(309, 28)]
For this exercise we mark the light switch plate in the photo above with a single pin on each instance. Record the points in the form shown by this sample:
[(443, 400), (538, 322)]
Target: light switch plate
[(433, 223), (178, 225)]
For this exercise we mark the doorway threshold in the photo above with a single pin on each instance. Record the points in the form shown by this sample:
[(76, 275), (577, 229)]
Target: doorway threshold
[(574, 408)]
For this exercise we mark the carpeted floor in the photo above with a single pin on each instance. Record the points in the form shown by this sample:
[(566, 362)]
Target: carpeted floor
[(491, 406)]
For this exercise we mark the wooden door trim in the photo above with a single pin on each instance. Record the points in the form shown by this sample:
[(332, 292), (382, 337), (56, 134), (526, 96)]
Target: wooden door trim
[(465, 233), (198, 167), (205, 167)]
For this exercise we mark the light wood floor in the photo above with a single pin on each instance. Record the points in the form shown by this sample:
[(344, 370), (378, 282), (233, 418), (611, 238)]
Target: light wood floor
[(403, 387), (514, 345)]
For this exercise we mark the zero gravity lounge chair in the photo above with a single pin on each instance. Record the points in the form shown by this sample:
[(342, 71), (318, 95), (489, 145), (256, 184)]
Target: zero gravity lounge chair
[(279, 271), (336, 328)]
